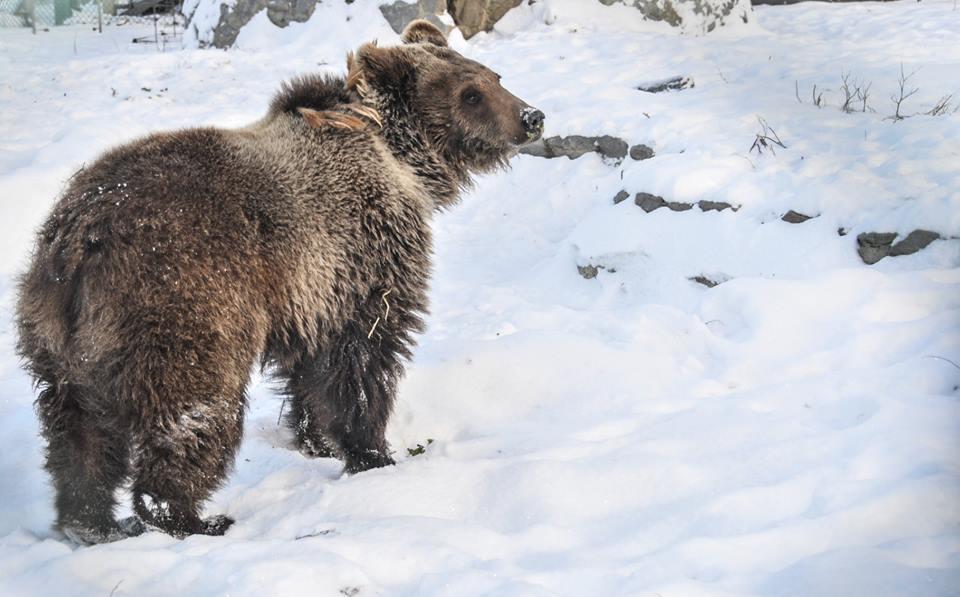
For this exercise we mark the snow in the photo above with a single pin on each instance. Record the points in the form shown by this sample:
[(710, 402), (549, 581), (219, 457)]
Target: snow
[(331, 32), (203, 17), (794, 430)]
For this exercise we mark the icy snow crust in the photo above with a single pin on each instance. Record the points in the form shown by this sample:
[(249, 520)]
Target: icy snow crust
[(792, 431)]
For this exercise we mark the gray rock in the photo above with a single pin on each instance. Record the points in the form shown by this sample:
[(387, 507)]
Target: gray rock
[(401, 12), (913, 242), (692, 16), (677, 206), (537, 149), (611, 147), (620, 197), (282, 12), (589, 272), (714, 205), (232, 19), (575, 146), (641, 152), (671, 84), (572, 147), (474, 16), (874, 246), (648, 202), (701, 279), (795, 217)]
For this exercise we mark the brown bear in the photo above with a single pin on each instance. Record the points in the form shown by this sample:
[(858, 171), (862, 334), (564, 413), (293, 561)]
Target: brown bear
[(173, 264)]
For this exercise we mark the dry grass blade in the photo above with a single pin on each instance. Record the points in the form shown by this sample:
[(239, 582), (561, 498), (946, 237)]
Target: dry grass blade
[(326, 118), (366, 111)]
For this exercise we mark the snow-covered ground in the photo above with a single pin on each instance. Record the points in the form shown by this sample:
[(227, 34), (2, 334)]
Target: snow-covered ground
[(794, 430)]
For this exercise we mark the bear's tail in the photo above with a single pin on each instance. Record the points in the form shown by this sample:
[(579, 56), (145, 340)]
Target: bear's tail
[(48, 304)]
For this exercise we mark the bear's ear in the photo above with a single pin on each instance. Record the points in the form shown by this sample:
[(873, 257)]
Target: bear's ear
[(380, 68), (423, 32)]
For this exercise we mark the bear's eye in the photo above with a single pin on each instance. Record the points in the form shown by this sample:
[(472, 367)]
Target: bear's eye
[(472, 97)]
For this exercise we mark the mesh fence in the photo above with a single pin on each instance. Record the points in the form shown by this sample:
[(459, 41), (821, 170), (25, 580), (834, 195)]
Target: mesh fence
[(43, 14)]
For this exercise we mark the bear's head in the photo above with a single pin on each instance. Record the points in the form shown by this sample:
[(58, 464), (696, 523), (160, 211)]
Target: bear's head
[(457, 104)]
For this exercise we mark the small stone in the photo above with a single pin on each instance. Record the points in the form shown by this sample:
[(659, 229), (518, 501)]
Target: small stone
[(641, 152), (648, 202), (620, 197), (841, 231), (795, 217), (677, 206), (913, 242), (704, 280), (611, 147), (874, 246), (714, 205), (589, 271), (672, 84)]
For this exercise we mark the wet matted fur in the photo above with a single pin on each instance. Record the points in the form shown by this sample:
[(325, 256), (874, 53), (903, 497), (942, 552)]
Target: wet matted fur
[(173, 264)]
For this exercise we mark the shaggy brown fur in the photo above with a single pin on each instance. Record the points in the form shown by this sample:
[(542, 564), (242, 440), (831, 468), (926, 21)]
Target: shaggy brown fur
[(172, 264)]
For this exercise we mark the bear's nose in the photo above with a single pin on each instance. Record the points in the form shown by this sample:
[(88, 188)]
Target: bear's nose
[(532, 120)]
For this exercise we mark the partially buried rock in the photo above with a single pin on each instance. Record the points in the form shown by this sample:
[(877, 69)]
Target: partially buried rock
[(874, 246), (795, 217), (401, 12), (589, 272), (648, 201), (913, 242), (641, 152), (714, 205), (571, 147), (678, 206), (574, 146), (620, 197), (708, 282), (672, 84), (611, 147)]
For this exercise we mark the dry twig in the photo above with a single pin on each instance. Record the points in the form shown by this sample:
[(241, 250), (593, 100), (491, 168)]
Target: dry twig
[(766, 139)]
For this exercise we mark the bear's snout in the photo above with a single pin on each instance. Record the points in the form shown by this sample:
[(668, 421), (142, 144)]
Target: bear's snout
[(532, 121)]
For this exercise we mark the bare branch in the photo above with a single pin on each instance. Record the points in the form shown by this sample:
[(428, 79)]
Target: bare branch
[(817, 97), (850, 91), (903, 95), (864, 96)]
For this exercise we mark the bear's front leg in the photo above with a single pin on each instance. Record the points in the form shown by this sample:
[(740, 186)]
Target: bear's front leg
[(343, 395)]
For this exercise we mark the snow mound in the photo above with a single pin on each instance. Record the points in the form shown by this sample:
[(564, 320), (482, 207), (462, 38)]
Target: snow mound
[(220, 23)]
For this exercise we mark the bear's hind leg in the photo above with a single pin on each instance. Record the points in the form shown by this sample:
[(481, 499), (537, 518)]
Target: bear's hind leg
[(185, 452), (87, 456), (342, 396)]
